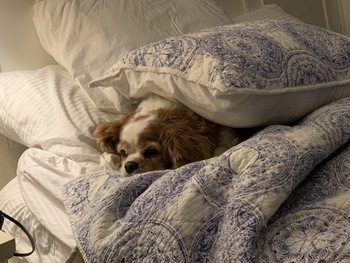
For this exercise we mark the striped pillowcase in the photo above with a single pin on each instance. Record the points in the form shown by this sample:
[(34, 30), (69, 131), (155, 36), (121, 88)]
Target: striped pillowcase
[(46, 109)]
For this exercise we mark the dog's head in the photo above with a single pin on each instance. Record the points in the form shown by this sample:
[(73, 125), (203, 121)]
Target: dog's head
[(161, 139)]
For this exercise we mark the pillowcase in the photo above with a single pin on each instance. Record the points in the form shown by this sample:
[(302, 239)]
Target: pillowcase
[(88, 36), (267, 12), (240, 75), (20, 47), (46, 109)]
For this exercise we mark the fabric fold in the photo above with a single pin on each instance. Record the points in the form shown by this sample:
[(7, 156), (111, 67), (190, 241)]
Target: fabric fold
[(217, 210)]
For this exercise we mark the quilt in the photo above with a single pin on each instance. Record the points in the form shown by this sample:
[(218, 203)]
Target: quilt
[(281, 196)]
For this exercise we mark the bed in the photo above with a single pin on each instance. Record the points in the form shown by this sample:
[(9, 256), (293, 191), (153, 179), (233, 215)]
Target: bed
[(280, 196)]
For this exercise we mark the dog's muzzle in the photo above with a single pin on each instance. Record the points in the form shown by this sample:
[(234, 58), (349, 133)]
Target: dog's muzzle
[(131, 167)]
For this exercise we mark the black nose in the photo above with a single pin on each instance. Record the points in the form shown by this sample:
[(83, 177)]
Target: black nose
[(131, 167)]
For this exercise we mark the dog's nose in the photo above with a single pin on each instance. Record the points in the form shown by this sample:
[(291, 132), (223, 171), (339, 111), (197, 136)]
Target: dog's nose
[(131, 167)]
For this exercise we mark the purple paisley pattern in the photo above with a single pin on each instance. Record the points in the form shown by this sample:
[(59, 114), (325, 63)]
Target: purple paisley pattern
[(263, 55), (280, 196)]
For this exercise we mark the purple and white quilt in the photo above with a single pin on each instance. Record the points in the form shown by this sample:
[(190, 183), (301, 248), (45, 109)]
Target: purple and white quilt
[(281, 196)]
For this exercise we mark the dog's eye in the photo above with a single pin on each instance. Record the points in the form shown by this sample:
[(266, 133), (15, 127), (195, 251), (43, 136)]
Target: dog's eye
[(122, 153), (150, 152)]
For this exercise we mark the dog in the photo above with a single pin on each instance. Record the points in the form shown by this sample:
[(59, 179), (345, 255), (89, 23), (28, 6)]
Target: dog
[(162, 134)]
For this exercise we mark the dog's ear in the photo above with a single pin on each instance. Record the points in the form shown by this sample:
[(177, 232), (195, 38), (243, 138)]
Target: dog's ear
[(107, 134), (187, 143)]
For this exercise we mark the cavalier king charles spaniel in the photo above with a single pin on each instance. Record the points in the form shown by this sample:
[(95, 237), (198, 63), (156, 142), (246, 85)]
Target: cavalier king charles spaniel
[(161, 134)]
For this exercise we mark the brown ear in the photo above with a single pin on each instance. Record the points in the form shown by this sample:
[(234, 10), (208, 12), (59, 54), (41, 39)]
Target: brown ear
[(107, 134), (186, 143)]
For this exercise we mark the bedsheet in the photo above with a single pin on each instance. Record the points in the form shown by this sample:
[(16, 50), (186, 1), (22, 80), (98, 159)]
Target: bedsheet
[(34, 199), (280, 196), (48, 248)]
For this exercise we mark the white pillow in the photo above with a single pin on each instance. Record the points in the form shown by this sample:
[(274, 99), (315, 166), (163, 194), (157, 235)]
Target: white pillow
[(267, 12), (46, 109), (20, 47), (88, 36), (240, 75)]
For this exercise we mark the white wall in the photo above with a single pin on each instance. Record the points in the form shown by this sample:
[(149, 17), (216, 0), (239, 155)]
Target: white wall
[(20, 47), (8, 160)]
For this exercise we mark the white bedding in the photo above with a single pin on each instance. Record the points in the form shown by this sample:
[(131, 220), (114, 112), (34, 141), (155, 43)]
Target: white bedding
[(35, 196), (54, 116), (107, 30), (48, 247)]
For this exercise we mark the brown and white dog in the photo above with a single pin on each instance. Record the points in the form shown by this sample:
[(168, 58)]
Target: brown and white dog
[(162, 134)]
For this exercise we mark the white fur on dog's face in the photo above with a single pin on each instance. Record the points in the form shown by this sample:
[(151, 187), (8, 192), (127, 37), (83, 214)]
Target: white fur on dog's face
[(139, 154), (159, 135), (130, 135)]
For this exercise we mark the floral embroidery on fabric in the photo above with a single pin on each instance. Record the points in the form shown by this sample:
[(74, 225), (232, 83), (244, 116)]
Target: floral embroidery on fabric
[(262, 55), (281, 196)]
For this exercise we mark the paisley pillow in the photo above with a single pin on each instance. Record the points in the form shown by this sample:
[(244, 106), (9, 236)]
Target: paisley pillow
[(240, 75)]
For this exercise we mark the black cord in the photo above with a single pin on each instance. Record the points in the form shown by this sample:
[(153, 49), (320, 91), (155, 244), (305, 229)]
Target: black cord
[(1, 220), (31, 239)]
